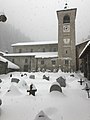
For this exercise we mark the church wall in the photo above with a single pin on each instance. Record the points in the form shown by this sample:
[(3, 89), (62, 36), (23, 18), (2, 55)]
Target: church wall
[(35, 48)]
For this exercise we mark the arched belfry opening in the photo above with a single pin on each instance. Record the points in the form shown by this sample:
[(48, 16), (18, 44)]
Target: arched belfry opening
[(66, 19)]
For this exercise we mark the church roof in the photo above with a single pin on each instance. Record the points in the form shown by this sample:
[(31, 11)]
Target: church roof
[(35, 43), (67, 10), (36, 54), (46, 55), (85, 48)]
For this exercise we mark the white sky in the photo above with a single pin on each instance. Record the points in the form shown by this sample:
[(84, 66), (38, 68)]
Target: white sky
[(38, 18)]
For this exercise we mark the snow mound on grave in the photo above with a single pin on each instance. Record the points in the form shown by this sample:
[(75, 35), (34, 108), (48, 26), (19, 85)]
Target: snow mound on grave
[(75, 84), (13, 90), (70, 79), (41, 116), (23, 86)]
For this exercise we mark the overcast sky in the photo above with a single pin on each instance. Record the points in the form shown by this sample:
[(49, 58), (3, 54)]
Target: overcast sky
[(38, 19)]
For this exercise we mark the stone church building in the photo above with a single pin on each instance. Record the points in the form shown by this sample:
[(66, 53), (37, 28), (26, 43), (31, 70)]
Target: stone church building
[(34, 56)]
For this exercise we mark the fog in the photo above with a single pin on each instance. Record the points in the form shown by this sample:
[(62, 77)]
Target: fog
[(37, 19)]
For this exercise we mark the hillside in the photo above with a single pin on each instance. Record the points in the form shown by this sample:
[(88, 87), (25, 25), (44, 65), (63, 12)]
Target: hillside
[(10, 35)]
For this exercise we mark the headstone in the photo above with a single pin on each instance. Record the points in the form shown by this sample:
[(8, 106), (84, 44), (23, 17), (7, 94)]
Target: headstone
[(10, 75), (87, 88), (0, 80), (81, 81), (3, 18), (45, 77), (41, 116), (72, 75), (16, 80), (32, 90), (55, 87), (32, 76), (61, 81), (0, 102)]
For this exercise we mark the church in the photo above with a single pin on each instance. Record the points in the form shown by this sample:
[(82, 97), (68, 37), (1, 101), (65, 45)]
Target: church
[(49, 55)]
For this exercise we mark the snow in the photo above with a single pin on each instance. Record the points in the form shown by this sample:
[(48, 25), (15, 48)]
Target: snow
[(1, 52), (36, 54), (47, 55), (20, 54), (35, 43), (17, 104)]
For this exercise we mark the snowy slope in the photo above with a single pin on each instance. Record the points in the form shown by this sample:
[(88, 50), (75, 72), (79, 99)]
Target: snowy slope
[(72, 104)]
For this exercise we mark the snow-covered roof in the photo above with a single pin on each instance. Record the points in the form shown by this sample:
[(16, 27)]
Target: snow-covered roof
[(46, 55), (10, 64), (35, 43), (84, 49), (65, 58), (1, 52), (20, 54), (36, 54)]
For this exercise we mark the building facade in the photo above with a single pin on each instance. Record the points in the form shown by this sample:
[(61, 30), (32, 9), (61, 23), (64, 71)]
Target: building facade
[(52, 54), (7, 66), (45, 46), (85, 56), (79, 48), (34, 56)]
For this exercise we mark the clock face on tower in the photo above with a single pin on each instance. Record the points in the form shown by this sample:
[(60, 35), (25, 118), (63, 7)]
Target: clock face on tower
[(66, 28)]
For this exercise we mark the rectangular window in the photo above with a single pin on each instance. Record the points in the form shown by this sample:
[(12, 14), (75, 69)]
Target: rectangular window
[(66, 51), (25, 68), (26, 60), (13, 60), (54, 49), (53, 62), (43, 49), (20, 50), (66, 62), (42, 62), (31, 50)]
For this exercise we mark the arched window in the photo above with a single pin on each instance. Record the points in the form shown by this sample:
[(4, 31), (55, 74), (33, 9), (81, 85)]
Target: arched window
[(66, 19)]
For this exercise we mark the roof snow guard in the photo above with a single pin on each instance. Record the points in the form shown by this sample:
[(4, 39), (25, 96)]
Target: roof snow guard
[(86, 48)]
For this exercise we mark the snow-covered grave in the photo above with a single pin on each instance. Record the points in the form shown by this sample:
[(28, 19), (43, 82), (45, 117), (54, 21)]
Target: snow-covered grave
[(70, 104)]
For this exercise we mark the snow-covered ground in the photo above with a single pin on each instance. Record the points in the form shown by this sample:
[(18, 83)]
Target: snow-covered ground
[(17, 104)]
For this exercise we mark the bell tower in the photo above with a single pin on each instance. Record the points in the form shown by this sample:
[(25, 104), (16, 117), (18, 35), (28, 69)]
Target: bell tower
[(66, 39)]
